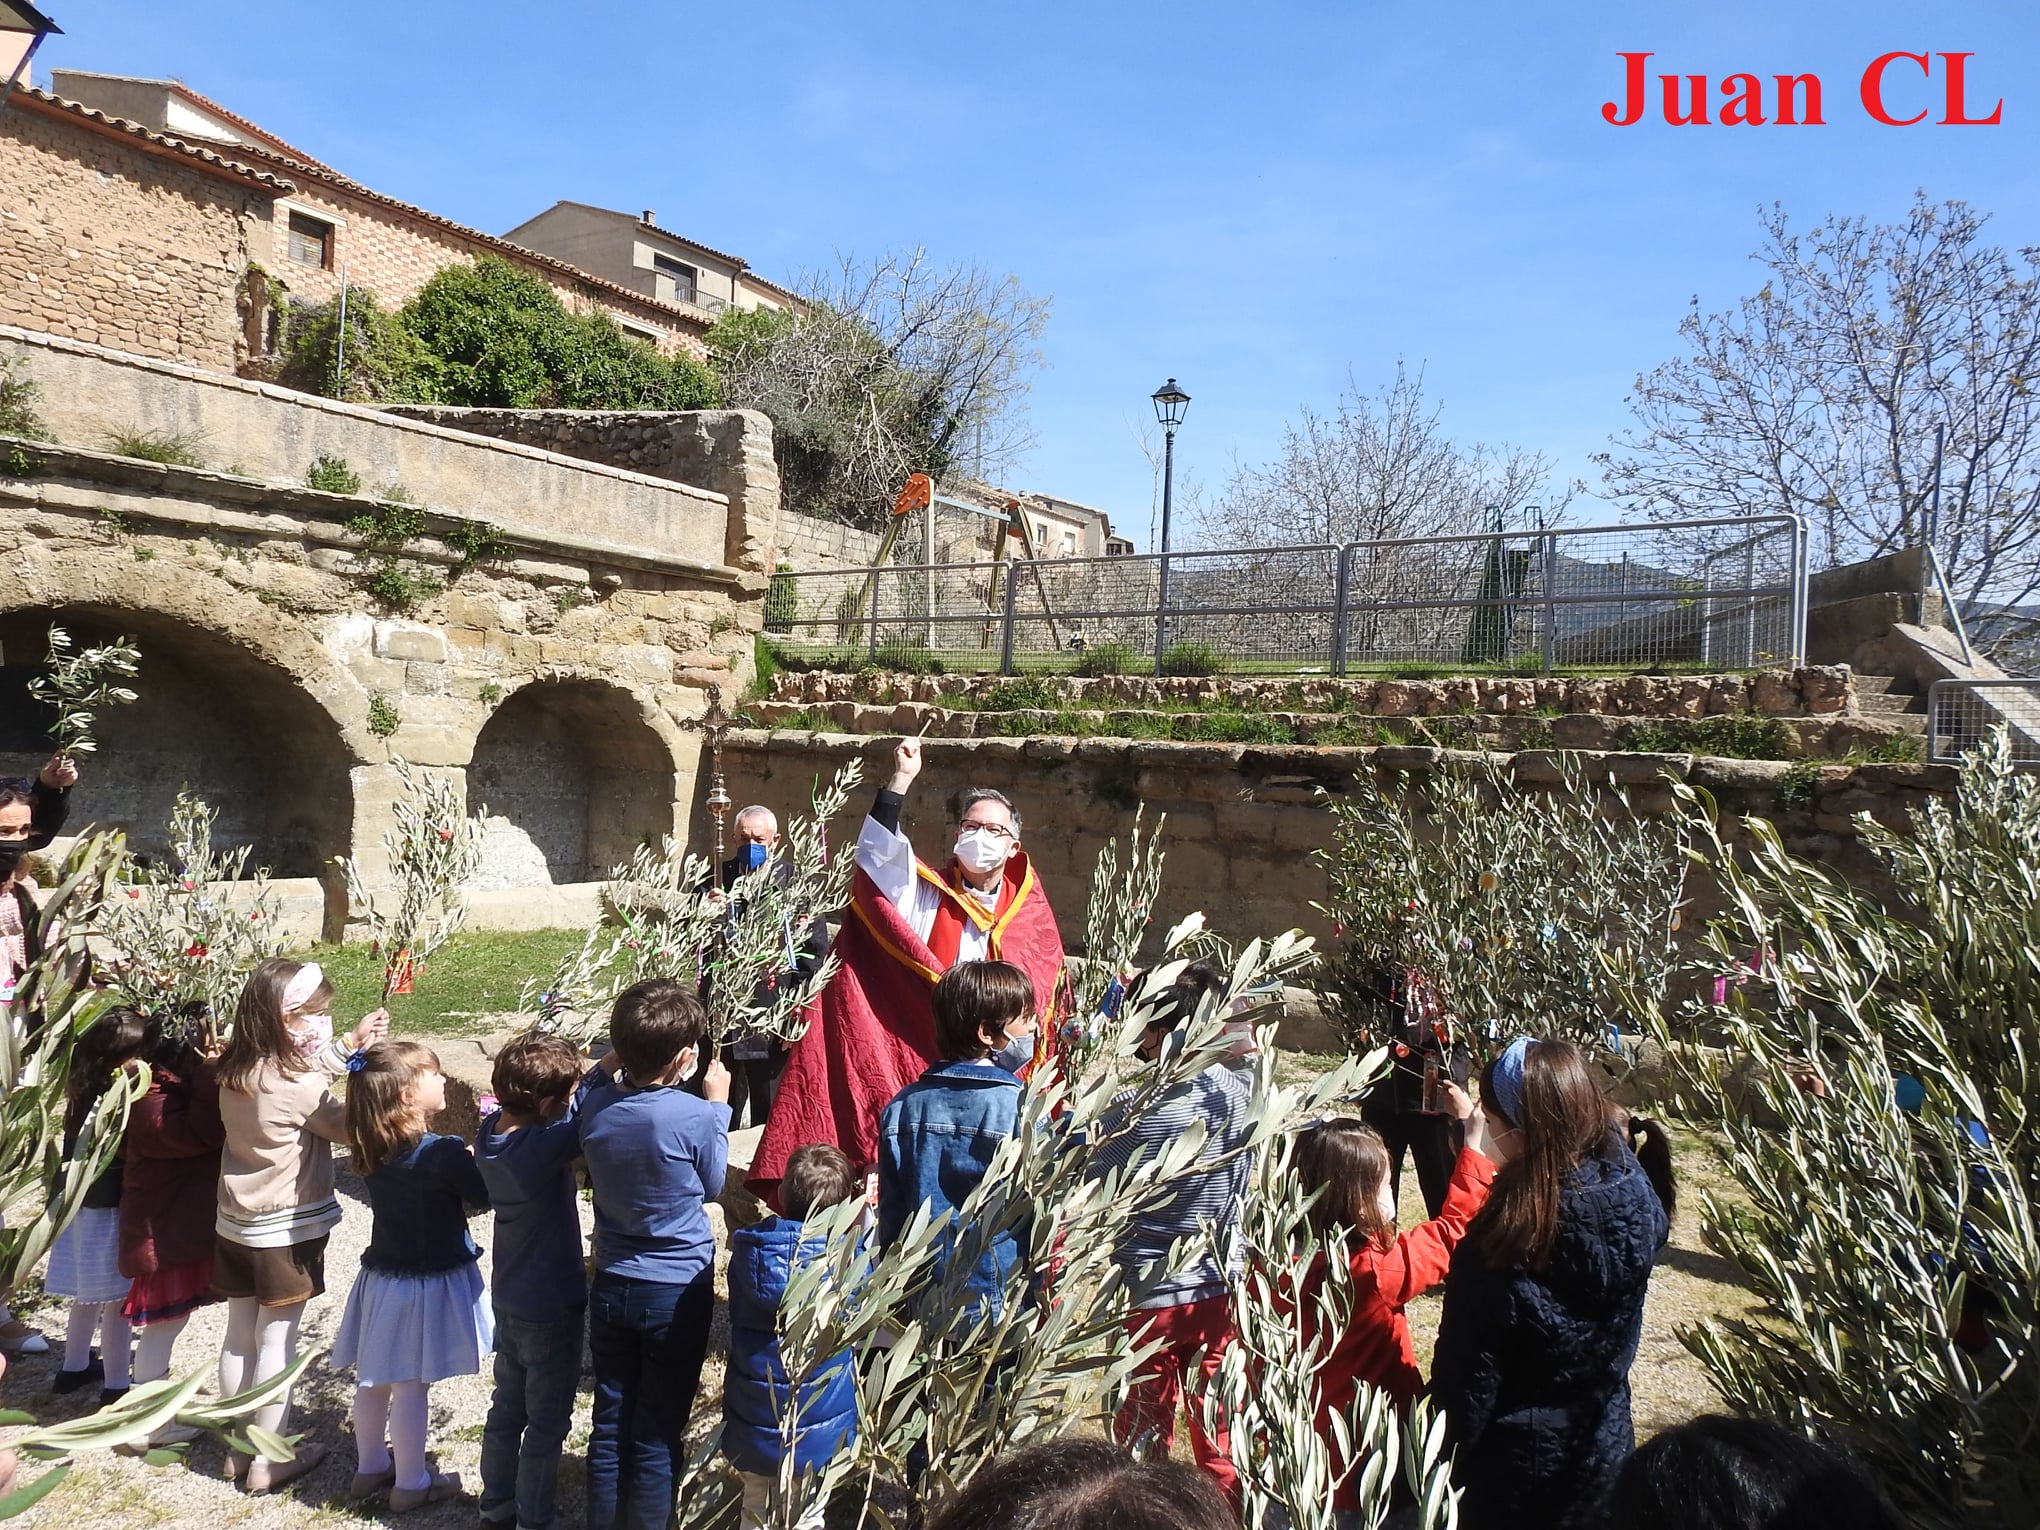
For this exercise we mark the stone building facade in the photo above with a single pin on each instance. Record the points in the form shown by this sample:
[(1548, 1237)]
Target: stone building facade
[(175, 247)]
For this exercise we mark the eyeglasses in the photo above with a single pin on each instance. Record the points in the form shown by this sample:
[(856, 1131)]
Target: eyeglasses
[(996, 830)]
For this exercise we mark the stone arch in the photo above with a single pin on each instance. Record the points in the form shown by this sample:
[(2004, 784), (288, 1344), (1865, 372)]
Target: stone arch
[(214, 715), (572, 774)]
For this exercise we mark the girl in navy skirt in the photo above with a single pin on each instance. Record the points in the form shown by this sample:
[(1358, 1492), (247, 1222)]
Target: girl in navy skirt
[(417, 1313)]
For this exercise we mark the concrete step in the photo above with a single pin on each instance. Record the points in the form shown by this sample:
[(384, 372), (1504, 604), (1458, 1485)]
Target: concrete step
[(1886, 695)]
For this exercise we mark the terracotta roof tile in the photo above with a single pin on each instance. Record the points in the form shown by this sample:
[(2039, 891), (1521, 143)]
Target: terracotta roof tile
[(211, 159)]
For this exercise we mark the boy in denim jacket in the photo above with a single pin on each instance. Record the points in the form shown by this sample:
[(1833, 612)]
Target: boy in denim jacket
[(937, 1136), (757, 1397)]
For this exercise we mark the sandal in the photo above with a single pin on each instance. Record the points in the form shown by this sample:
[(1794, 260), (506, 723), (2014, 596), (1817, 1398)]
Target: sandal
[(282, 1473), (368, 1484)]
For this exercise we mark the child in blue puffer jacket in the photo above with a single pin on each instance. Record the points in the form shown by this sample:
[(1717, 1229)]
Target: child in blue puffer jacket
[(756, 1396)]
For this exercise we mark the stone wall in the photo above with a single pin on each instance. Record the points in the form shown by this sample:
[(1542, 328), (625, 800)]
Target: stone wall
[(808, 544), (728, 452), (665, 446), (270, 433), (105, 241), (1243, 820)]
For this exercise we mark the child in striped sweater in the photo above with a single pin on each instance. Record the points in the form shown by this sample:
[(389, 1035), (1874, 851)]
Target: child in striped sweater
[(1190, 1309)]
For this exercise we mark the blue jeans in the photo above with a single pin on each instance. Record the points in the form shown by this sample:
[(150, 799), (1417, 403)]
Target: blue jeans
[(647, 1340), (538, 1370)]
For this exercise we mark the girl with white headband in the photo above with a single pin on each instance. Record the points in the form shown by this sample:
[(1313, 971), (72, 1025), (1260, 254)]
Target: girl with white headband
[(276, 1205)]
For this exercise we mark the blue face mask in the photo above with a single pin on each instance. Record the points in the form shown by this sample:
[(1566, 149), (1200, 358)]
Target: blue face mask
[(752, 856)]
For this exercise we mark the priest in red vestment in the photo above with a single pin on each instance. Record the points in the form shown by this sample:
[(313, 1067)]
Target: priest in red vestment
[(873, 1032)]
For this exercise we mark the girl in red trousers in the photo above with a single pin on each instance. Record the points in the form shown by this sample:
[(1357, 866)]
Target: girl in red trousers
[(1348, 1164)]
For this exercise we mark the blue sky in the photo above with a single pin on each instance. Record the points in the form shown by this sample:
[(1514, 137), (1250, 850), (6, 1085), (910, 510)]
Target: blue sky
[(1259, 200)]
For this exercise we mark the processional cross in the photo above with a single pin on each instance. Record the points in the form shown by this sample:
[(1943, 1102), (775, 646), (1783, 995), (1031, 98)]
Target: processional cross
[(712, 725)]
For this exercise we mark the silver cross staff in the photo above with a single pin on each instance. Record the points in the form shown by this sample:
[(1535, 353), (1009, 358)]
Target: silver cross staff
[(713, 724)]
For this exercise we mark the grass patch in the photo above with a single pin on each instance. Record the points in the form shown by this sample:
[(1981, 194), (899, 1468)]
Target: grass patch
[(1735, 736), (475, 974), (169, 447), (1899, 749)]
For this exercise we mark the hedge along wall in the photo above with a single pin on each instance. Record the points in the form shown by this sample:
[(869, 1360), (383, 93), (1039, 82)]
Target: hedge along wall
[(1244, 819)]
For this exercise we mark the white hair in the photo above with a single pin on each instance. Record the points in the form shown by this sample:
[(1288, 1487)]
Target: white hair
[(757, 810)]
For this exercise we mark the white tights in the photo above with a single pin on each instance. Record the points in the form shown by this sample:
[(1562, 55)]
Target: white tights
[(152, 1353), (261, 1342), (87, 1319), (397, 1411)]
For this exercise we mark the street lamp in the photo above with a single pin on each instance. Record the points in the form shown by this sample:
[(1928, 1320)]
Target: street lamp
[(1171, 403)]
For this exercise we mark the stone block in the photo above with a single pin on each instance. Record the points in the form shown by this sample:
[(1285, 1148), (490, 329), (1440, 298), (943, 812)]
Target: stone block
[(409, 642), (423, 679)]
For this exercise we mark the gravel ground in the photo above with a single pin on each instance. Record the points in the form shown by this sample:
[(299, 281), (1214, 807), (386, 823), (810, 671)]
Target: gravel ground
[(1669, 1385)]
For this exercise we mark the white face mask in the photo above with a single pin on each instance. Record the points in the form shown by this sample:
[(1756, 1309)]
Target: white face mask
[(981, 851), (310, 1032)]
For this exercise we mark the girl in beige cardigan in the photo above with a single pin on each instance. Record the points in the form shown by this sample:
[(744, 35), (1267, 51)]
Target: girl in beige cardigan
[(276, 1204)]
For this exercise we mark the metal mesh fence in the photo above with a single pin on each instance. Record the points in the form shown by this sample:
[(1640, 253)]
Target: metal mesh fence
[(1962, 713), (1709, 594)]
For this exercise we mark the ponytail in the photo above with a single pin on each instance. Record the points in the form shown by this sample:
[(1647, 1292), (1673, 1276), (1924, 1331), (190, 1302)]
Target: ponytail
[(1653, 1149)]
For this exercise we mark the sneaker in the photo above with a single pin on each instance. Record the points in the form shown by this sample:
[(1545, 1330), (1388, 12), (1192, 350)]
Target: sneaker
[(17, 1338), (65, 1382)]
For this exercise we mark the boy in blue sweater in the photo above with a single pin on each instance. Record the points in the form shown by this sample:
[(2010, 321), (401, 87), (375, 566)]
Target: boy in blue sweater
[(656, 1156), (757, 1399), (526, 1152)]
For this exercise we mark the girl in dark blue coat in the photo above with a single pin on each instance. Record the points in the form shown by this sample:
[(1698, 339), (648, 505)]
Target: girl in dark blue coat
[(1544, 1300)]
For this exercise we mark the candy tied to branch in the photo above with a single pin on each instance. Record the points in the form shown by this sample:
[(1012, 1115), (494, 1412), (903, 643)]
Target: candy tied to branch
[(433, 853), (78, 684)]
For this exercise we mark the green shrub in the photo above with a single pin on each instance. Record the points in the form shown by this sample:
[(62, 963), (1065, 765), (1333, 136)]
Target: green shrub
[(169, 447), (782, 601), (382, 716), (383, 361), (18, 393), (1112, 658), (388, 525), (1796, 789), (333, 475), (476, 542), (495, 336), (1735, 736), (1190, 658), (398, 587), (764, 665)]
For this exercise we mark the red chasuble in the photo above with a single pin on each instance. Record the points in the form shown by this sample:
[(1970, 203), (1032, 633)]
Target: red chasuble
[(873, 1032)]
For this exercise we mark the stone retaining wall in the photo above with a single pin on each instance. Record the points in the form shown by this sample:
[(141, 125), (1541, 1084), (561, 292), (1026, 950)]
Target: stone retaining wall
[(257, 430), (1826, 690), (1244, 819)]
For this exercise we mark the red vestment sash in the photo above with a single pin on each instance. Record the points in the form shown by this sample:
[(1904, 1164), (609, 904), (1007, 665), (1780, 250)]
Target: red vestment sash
[(872, 1031)]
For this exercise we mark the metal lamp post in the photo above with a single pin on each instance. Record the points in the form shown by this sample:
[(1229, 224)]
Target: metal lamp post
[(1171, 402)]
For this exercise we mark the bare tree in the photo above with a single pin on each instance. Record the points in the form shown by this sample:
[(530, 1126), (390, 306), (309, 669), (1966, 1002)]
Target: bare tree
[(1379, 466), (886, 368), (1822, 394)]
